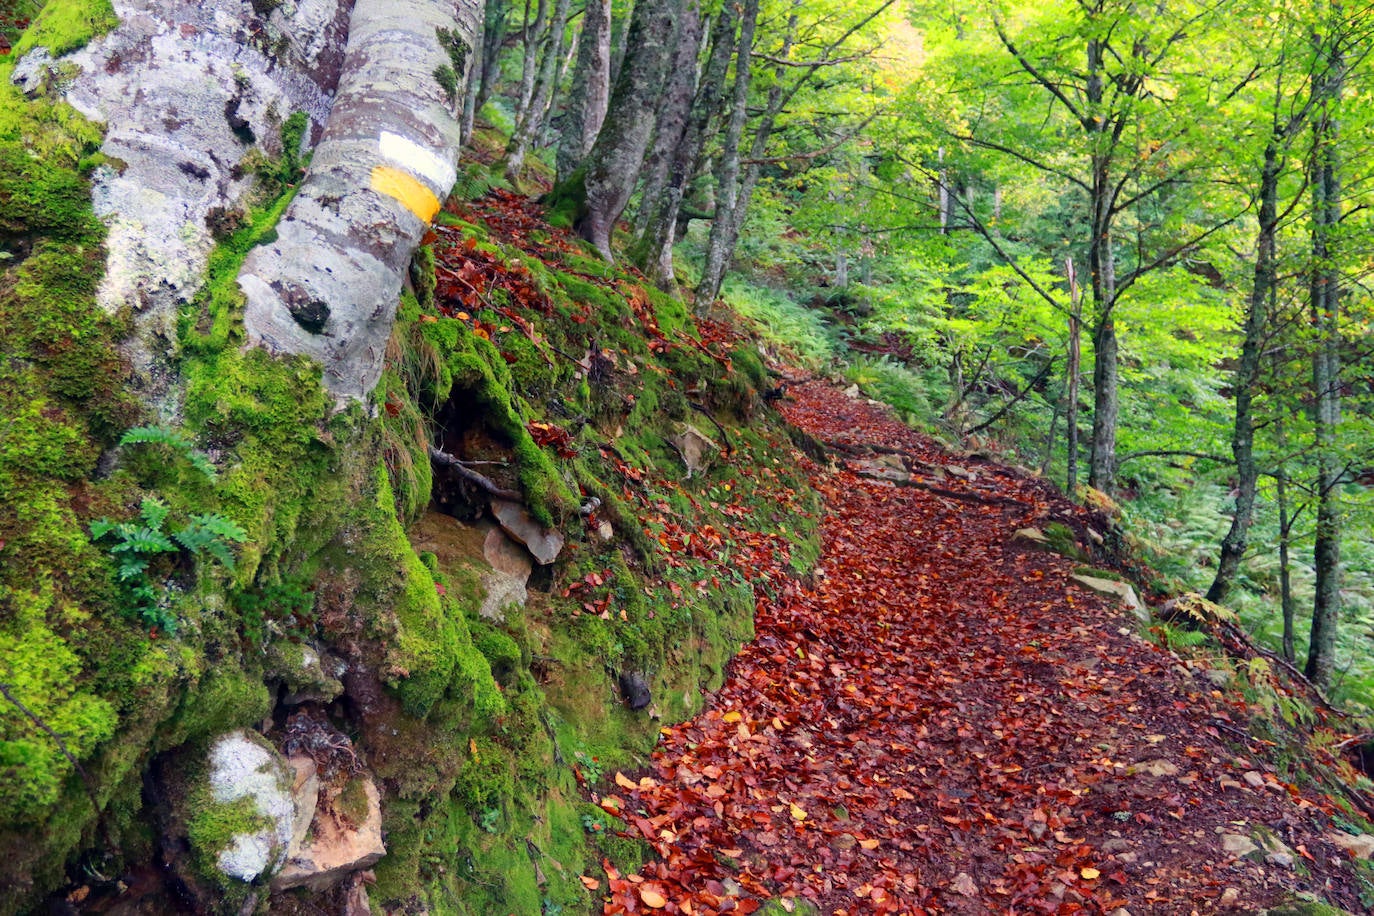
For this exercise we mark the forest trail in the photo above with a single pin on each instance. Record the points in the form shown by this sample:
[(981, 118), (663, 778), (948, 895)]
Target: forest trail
[(940, 721)]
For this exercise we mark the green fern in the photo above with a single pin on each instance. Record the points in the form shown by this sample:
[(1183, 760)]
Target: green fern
[(212, 534), (161, 435)]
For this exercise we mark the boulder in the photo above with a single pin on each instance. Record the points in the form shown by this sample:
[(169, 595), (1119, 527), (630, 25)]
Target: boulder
[(696, 448), (310, 676), (1121, 591), (243, 766), (305, 796), (1360, 846), (504, 584), (543, 543), (345, 836)]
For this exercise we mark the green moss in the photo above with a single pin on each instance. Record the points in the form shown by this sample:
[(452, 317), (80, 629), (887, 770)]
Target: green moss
[(212, 826), (65, 27), (226, 697)]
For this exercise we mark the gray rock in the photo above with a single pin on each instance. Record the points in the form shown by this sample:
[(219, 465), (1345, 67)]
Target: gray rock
[(696, 448), (305, 796), (1237, 845), (1121, 591), (544, 543), (310, 676), (244, 766), (33, 72), (1360, 846)]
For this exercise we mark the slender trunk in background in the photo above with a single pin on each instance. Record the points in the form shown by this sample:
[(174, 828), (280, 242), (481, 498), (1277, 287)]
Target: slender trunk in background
[(1247, 377), (528, 127), (675, 109), (655, 249), (1071, 379), (1102, 265), (942, 190), (612, 167), (1326, 366), (728, 184), (493, 35), (533, 35), (591, 88), (1285, 575)]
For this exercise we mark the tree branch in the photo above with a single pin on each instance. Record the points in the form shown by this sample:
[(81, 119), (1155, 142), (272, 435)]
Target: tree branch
[(444, 459)]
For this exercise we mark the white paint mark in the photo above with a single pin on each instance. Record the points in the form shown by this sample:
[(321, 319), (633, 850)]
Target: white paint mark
[(419, 161)]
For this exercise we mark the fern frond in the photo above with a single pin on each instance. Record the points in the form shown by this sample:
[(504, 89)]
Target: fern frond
[(162, 435), (154, 512)]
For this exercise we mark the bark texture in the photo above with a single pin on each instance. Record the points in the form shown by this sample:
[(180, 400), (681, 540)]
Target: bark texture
[(613, 165), (328, 285), (591, 88)]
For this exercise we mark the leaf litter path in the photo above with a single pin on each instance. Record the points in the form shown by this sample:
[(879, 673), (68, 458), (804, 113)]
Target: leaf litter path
[(940, 722)]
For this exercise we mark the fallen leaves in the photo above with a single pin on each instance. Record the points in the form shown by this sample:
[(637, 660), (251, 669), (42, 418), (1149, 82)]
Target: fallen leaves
[(931, 724)]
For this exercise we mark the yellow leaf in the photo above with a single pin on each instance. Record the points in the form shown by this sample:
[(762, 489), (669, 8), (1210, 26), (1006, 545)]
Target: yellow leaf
[(1090, 874), (869, 844), (652, 898), (624, 781), (798, 814), (732, 716)]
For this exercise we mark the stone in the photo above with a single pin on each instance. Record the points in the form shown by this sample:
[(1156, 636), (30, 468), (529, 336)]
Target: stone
[(543, 543), (1360, 846), (310, 676), (1156, 768), (305, 796), (356, 902), (881, 470), (505, 583), (243, 766), (1230, 897), (1238, 846), (32, 72), (696, 448), (634, 687), (1121, 591), (852, 391), (337, 845), (1254, 779), (605, 530), (1034, 535)]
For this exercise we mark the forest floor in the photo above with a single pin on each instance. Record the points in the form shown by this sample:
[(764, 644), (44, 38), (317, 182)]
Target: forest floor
[(939, 720)]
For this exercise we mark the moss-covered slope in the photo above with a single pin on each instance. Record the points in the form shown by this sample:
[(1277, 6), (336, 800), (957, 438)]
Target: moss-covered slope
[(517, 353)]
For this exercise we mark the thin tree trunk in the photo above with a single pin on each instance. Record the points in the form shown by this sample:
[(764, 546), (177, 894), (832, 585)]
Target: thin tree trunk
[(1071, 379), (533, 34), (674, 113), (1102, 265), (655, 249), (591, 88), (1247, 376), (493, 35), (612, 167), (1285, 573), (1326, 375), (527, 127)]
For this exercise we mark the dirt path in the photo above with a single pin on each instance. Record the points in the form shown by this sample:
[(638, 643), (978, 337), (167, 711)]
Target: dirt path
[(942, 722)]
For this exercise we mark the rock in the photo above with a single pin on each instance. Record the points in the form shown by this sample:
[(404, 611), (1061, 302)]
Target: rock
[(345, 837), (1034, 535), (1230, 897), (1276, 852), (1218, 678), (1156, 768), (356, 902), (1122, 591), (1360, 846), (305, 796), (696, 448), (634, 687), (505, 584), (310, 676), (963, 885), (32, 72), (1094, 537), (1238, 846), (605, 530), (1254, 779), (1115, 845), (852, 391), (544, 543), (244, 766), (961, 473), (881, 470)]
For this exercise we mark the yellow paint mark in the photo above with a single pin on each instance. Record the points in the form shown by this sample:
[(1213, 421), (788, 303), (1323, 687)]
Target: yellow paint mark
[(416, 198)]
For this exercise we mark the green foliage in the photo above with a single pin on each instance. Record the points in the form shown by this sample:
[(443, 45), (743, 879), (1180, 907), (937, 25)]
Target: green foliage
[(135, 544), (781, 320), (175, 442)]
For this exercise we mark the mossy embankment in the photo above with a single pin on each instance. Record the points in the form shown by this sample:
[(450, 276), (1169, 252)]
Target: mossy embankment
[(592, 397)]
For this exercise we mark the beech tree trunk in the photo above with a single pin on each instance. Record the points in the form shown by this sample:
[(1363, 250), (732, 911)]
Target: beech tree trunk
[(655, 249), (591, 88), (528, 126), (1247, 376), (328, 284), (675, 108), (612, 167), (1326, 371)]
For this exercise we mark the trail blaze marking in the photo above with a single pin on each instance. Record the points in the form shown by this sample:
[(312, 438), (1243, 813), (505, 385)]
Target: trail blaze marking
[(417, 160), (413, 194)]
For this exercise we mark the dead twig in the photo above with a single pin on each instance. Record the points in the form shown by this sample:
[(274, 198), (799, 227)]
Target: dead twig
[(701, 409), (444, 459)]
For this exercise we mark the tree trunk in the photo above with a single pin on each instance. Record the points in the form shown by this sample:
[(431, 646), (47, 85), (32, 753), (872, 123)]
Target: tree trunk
[(1247, 376), (328, 284), (528, 127), (724, 230), (1285, 575), (675, 109), (533, 35), (655, 249), (1326, 366), (612, 167), (1071, 379), (493, 35), (591, 88)]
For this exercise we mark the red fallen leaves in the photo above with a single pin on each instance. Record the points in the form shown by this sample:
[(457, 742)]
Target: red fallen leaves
[(939, 723)]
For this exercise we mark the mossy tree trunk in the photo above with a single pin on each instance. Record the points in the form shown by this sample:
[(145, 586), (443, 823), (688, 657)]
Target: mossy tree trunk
[(590, 92)]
